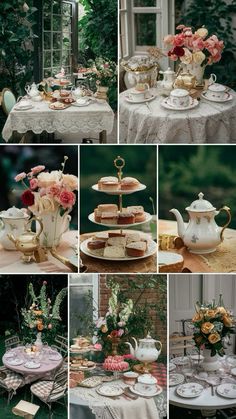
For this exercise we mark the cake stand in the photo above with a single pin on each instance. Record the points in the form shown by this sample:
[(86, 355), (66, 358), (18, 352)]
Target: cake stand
[(119, 163)]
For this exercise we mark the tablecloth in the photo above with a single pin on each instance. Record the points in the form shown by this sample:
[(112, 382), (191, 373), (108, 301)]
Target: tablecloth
[(94, 118), (149, 122)]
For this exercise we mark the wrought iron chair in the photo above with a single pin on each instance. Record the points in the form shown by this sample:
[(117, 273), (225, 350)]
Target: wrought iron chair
[(12, 342), (61, 345), (51, 391), (10, 381)]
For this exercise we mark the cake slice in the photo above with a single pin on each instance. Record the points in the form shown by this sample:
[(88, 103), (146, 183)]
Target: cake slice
[(133, 237), (138, 213), (109, 218), (114, 252), (136, 249), (117, 241), (107, 208)]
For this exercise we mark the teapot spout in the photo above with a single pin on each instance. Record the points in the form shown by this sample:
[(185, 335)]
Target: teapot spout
[(130, 347), (12, 238), (180, 222)]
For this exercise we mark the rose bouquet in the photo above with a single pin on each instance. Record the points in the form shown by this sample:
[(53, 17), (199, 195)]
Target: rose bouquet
[(194, 47), (104, 72), (212, 322)]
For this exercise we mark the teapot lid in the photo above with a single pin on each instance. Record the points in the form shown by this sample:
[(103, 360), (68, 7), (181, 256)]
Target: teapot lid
[(147, 379), (147, 339), (14, 213), (200, 205)]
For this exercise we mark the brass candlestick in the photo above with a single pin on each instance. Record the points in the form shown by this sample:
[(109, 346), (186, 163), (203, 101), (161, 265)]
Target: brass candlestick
[(119, 163)]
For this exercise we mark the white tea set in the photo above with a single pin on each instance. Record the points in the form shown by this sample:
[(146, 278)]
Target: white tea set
[(179, 100), (24, 103), (217, 93), (140, 93)]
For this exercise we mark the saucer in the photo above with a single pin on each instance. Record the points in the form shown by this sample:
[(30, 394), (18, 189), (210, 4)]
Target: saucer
[(110, 390), (227, 97), (81, 102), (175, 379), (148, 99), (32, 365), (166, 104), (158, 391), (227, 390), (189, 390), (15, 362)]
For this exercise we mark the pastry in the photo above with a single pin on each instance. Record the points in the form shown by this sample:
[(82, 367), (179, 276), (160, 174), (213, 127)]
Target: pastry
[(96, 247), (138, 212), (107, 208), (133, 237), (102, 235), (126, 218), (109, 218), (114, 252), (97, 215), (116, 241), (136, 249), (116, 234), (115, 363), (129, 184), (108, 183), (64, 93)]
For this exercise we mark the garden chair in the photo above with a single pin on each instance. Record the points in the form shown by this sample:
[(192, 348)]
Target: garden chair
[(10, 381), (12, 342), (228, 414), (52, 391), (8, 100), (61, 345), (180, 345)]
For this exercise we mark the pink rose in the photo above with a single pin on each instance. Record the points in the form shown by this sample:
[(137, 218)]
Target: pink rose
[(50, 326), (169, 40), (178, 40), (43, 191), (198, 44), (120, 332), (33, 184), (67, 199), (37, 169), (54, 190), (20, 176), (97, 346)]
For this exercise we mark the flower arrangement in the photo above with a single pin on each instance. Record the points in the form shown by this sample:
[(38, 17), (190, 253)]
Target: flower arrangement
[(42, 314), (194, 47), (48, 191), (212, 322), (104, 72)]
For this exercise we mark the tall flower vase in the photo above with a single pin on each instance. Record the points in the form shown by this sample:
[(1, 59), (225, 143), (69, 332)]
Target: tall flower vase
[(196, 70), (38, 343), (54, 226), (210, 363)]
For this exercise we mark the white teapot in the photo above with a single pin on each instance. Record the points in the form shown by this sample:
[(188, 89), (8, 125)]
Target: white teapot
[(146, 350), (77, 93), (13, 221), (32, 91), (202, 235), (168, 78)]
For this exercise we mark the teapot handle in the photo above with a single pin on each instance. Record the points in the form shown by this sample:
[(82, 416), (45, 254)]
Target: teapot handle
[(40, 224), (227, 210), (160, 345)]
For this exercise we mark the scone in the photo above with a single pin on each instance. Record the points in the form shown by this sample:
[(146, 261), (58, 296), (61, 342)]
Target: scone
[(133, 237), (109, 218), (114, 252), (136, 249), (102, 235), (129, 184)]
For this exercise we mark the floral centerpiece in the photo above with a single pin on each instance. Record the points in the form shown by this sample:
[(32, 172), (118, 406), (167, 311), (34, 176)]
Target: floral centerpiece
[(195, 49), (42, 315), (51, 196), (102, 76), (212, 323)]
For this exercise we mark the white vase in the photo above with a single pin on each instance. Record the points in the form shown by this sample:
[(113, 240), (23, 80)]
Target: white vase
[(38, 343), (54, 226), (196, 70), (210, 363)]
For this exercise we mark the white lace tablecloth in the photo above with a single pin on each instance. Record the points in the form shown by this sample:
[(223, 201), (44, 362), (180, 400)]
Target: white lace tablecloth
[(94, 118), (151, 123), (107, 408)]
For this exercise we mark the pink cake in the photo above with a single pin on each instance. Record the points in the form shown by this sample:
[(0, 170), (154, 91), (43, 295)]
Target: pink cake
[(115, 363)]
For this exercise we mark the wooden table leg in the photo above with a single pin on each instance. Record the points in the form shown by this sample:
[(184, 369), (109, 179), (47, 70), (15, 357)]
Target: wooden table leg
[(103, 137)]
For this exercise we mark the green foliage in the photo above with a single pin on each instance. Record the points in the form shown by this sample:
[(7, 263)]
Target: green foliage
[(16, 43)]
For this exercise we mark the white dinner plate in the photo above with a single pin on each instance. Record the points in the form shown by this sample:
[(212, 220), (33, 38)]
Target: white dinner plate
[(172, 367), (148, 99), (176, 379), (158, 391), (15, 362), (166, 104), (189, 390), (109, 390), (151, 250), (32, 365), (118, 192), (147, 219), (180, 360), (227, 390), (227, 98)]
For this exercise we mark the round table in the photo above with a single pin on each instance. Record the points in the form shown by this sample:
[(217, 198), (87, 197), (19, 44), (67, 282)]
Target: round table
[(46, 370), (151, 123)]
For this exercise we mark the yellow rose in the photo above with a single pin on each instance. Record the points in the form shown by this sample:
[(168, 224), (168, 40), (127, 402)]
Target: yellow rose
[(202, 32), (214, 337), (187, 58), (221, 310), (211, 313), (198, 57), (70, 181), (207, 327), (104, 328), (227, 320), (197, 318)]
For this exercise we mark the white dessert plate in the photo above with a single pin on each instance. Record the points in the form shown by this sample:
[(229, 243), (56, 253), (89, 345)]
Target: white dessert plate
[(147, 219), (55, 357), (152, 249), (15, 362), (172, 367), (148, 99), (169, 258), (20, 107), (158, 391), (227, 97), (189, 390), (180, 360), (109, 390), (118, 192), (227, 390), (176, 379), (32, 365), (9, 355), (166, 104)]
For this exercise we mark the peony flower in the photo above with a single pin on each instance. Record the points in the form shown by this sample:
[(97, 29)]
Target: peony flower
[(20, 176), (202, 32), (97, 346), (43, 204), (67, 199), (114, 334), (198, 44), (207, 327), (27, 198), (180, 27), (37, 169), (199, 57), (47, 179), (33, 184), (214, 338), (70, 182), (178, 40), (187, 58), (168, 40)]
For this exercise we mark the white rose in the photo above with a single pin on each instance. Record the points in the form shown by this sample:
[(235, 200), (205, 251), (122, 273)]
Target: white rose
[(70, 181), (202, 32), (48, 179), (187, 58), (199, 57)]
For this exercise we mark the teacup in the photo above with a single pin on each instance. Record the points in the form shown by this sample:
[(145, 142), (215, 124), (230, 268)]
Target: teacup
[(216, 91), (136, 95), (179, 98), (147, 384), (36, 98), (141, 87), (130, 378)]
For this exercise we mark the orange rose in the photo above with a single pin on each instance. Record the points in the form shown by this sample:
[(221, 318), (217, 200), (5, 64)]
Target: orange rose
[(207, 327), (211, 313), (214, 337), (40, 326), (221, 310), (37, 312), (197, 318), (227, 320)]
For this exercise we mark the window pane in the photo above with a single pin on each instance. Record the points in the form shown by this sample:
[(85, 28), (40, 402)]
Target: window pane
[(47, 59), (123, 35), (47, 40), (66, 57), (57, 7), (56, 23), (47, 7), (145, 29), (56, 40), (67, 11), (145, 3), (66, 23), (56, 58), (47, 23)]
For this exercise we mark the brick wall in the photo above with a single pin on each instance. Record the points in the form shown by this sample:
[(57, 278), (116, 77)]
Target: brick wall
[(150, 296)]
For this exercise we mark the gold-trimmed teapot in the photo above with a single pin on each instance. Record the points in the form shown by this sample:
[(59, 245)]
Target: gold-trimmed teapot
[(27, 242), (185, 80)]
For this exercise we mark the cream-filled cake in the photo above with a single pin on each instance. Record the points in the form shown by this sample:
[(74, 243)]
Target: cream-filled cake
[(115, 363)]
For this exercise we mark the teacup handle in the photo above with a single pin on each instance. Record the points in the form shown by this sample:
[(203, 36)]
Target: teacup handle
[(40, 225), (147, 86), (227, 210), (212, 78), (160, 345), (19, 98)]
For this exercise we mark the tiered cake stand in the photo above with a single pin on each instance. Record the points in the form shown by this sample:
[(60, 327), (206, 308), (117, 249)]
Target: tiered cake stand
[(119, 163)]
